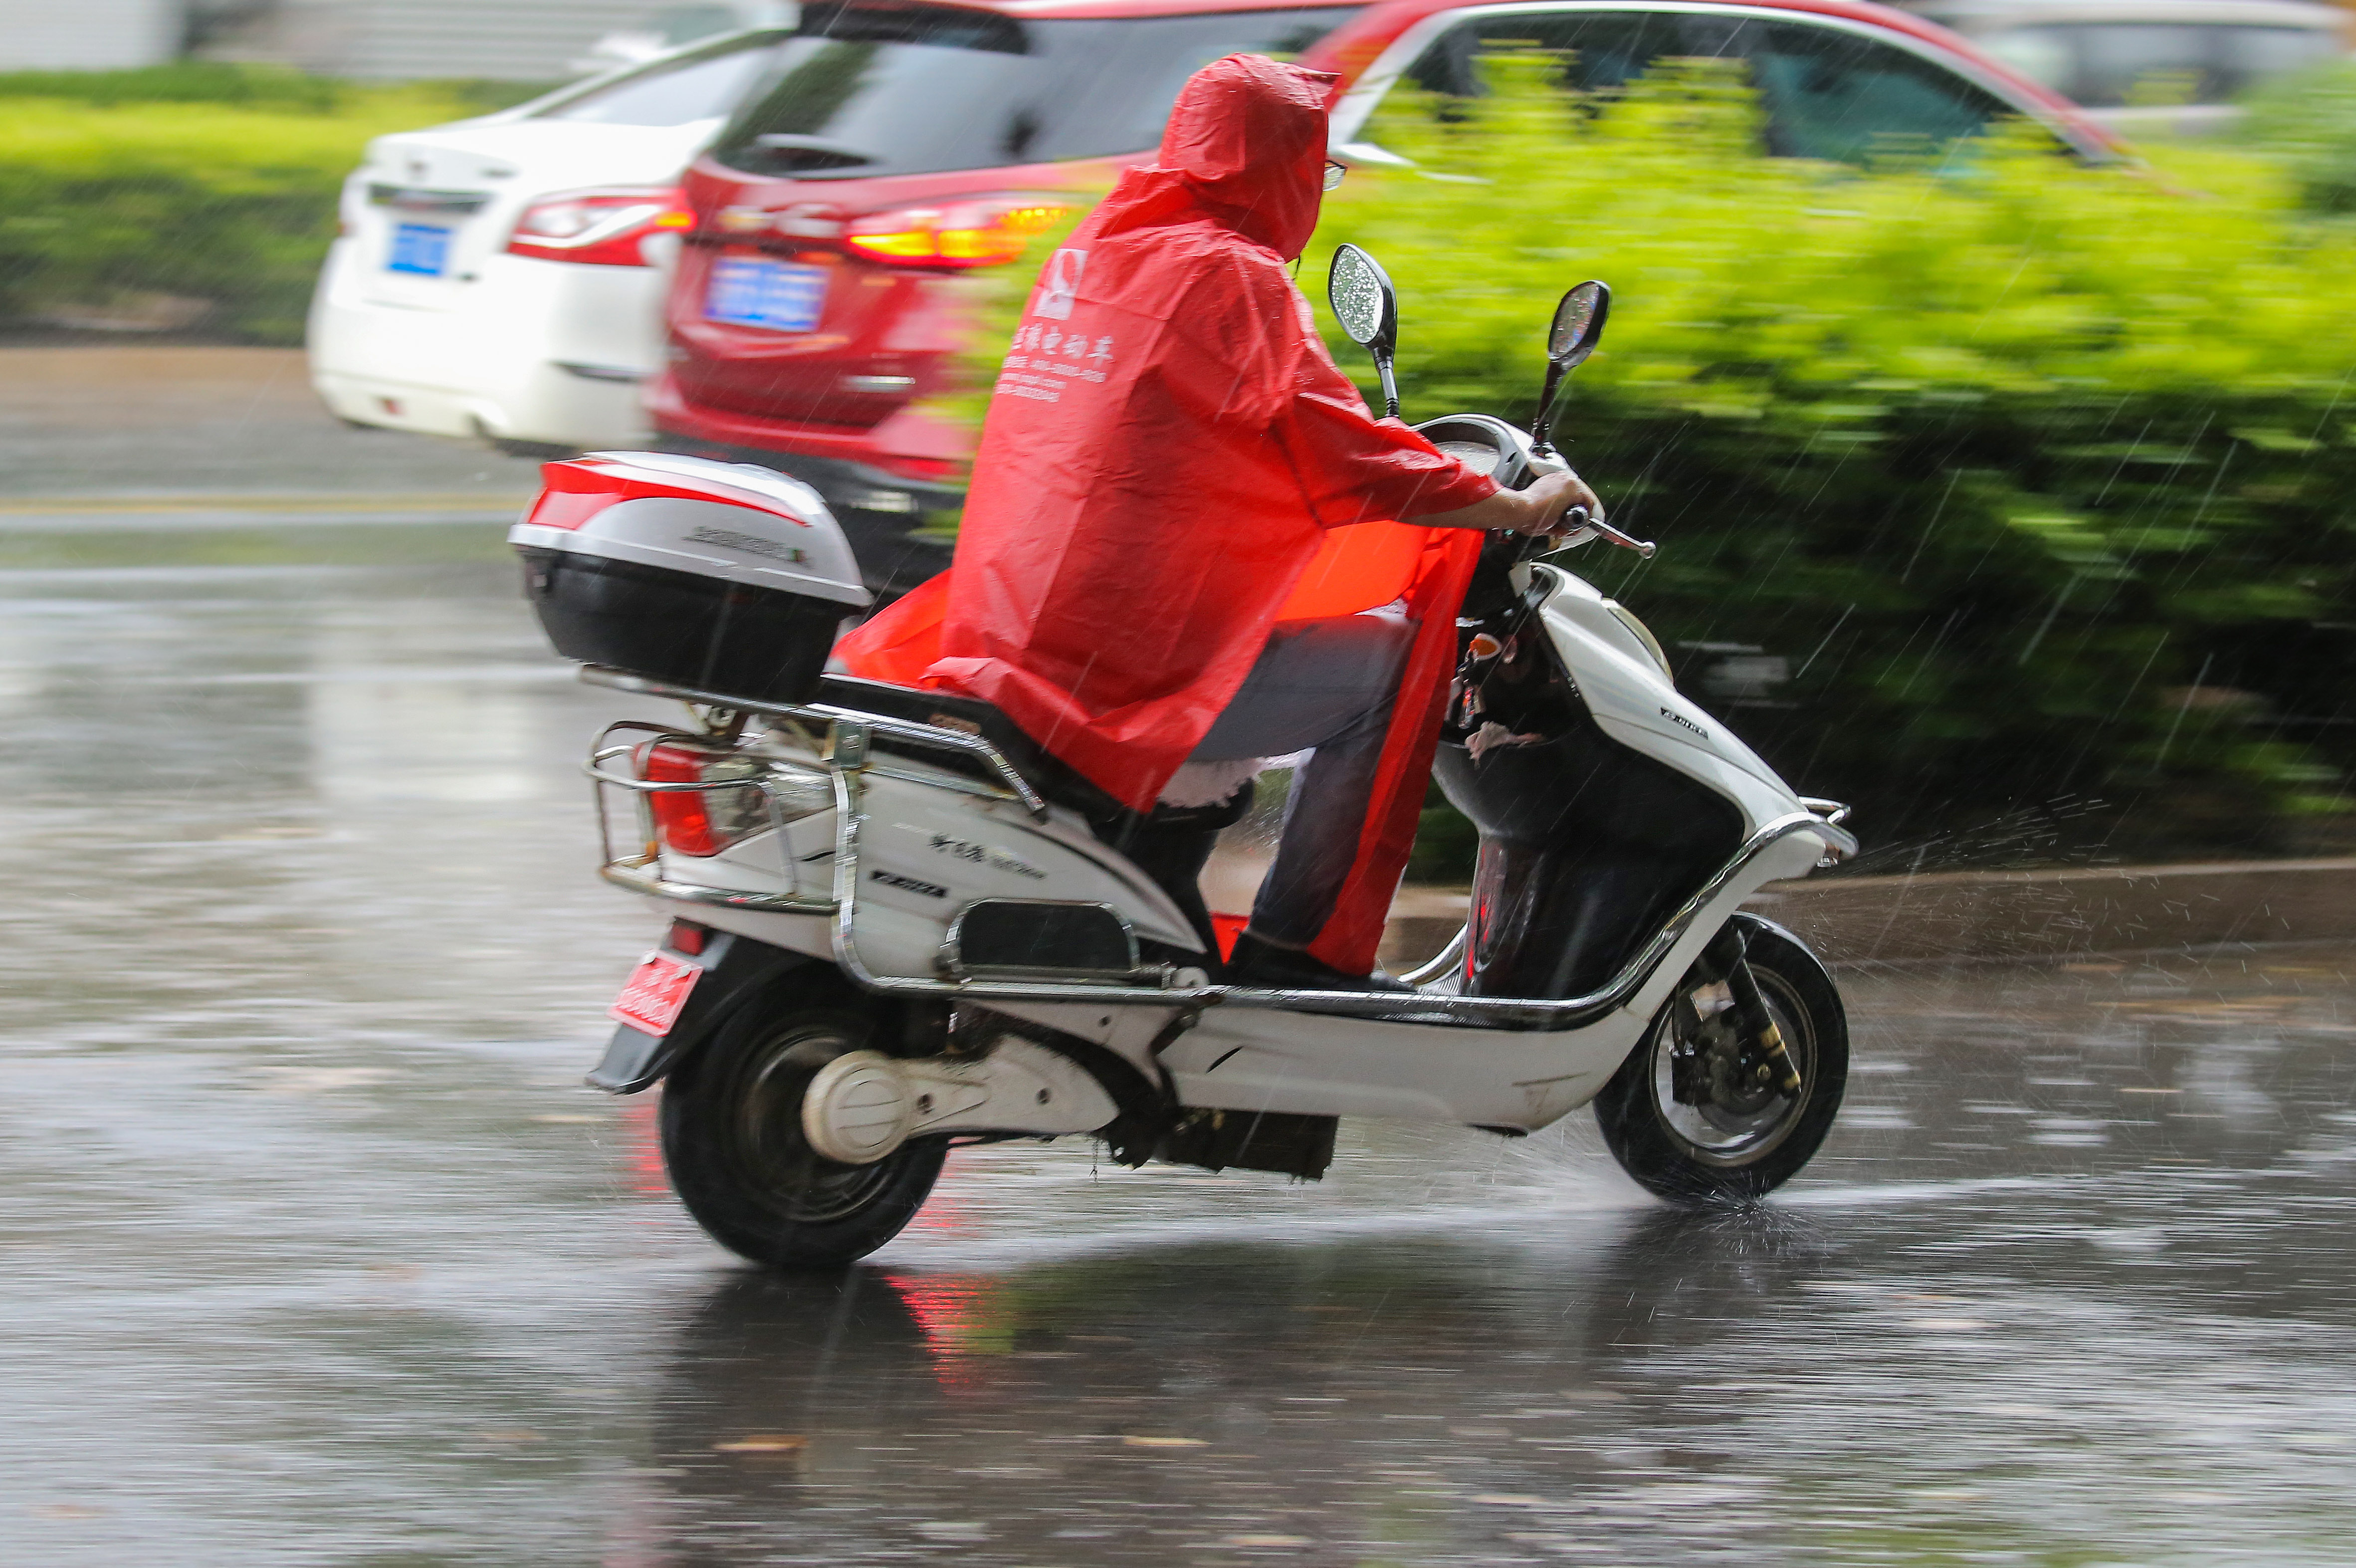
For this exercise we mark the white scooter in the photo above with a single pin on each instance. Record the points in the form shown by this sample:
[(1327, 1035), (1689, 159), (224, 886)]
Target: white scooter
[(900, 926)]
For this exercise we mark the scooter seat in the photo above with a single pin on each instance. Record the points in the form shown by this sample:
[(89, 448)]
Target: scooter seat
[(1055, 780)]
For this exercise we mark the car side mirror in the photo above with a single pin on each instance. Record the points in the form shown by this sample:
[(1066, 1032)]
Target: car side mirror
[(1367, 305)]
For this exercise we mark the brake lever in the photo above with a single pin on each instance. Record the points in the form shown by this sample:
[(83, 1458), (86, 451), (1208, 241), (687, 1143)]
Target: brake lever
[(1578, 518), (1645, 548)]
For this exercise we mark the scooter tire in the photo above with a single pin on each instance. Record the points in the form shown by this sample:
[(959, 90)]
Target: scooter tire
[(733, 1141), (1653, 1136)]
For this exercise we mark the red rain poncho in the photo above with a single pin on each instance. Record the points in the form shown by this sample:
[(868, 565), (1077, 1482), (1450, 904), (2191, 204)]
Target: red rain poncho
[(1172, 465)]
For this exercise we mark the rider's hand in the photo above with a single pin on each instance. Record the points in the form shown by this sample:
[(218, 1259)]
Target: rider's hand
[(1537, 510), (1551, 495)]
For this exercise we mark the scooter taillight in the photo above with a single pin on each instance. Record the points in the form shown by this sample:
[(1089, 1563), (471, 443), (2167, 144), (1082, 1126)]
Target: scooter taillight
[(702, 821)]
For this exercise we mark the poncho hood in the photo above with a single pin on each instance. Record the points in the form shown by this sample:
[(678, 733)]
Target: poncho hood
[(1244, 147)]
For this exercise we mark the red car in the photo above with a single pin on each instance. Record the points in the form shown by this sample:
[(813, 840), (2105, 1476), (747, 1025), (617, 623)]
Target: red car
[(892, 145)]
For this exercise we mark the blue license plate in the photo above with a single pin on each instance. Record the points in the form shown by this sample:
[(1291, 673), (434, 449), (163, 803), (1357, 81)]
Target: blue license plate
[(419, 248), (748, 291)]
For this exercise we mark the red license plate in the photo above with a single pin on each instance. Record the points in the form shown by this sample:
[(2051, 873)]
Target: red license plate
[(657, 989)]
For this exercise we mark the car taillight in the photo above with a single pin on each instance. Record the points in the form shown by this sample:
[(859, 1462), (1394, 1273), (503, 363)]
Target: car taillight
[(706, 820), (981, 233), (599, 228)]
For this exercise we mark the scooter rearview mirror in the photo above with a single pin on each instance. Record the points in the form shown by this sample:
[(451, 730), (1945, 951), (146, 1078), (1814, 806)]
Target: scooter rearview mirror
[(1577, 323), (1367, 305), (1363, 299), (1578, 326)]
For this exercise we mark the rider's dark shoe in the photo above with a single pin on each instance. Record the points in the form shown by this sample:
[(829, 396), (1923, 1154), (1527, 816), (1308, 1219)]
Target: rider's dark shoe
[(1265, 966)]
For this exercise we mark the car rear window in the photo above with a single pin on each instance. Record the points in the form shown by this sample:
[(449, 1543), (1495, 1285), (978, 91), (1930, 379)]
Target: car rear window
[(2106, 65), (917, 89), (704, 85)]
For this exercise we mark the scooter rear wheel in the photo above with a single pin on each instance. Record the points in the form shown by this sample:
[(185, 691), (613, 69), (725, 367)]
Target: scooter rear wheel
[(732, 1140), (1730, 1140)]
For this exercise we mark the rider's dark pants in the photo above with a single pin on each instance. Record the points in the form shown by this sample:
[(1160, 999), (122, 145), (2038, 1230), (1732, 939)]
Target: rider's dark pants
[(1327, 687)]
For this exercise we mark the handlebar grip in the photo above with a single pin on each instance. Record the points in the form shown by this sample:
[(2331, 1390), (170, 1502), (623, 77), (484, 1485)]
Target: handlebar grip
[(1576, 517)]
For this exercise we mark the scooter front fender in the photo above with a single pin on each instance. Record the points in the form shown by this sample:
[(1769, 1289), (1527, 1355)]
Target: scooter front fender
[(734, 968)]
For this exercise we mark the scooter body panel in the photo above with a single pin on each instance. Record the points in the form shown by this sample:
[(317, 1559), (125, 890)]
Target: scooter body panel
[(928, 851), (1633, 701)]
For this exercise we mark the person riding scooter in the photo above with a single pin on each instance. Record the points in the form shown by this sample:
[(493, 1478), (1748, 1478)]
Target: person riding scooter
[(1146, 576), (900, 924)]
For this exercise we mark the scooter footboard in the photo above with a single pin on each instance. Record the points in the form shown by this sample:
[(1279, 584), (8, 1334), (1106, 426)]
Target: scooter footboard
[(1319, 1065)]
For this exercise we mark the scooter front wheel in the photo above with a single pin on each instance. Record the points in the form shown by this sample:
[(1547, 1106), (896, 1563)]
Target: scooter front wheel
[(1689, 1115), (732, 1140)]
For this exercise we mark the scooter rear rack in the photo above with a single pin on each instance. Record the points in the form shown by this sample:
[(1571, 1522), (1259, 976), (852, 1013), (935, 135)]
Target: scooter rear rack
[(844, 751)]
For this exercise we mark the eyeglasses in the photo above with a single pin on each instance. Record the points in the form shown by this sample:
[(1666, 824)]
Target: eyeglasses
[(1333, 172)]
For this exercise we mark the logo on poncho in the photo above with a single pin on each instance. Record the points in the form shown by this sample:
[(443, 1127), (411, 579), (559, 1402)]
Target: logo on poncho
[(1061, 282)]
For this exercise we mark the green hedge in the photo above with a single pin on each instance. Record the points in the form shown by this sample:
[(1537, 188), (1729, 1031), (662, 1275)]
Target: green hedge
[(2038, 476), (214, 184), (2035, 475)]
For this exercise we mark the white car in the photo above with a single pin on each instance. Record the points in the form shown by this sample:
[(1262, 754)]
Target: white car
[(2138, 66), (502, 277)]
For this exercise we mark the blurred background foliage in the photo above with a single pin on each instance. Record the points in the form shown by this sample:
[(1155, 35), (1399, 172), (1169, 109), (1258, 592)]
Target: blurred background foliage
[(1985, 482), (2308, 122), (199, 196), (2003, 496)]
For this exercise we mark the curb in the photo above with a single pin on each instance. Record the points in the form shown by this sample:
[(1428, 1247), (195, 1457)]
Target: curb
[(1967, 917)]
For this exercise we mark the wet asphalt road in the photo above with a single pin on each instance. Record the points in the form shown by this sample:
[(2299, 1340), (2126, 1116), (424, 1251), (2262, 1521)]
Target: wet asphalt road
[(313, 1250)]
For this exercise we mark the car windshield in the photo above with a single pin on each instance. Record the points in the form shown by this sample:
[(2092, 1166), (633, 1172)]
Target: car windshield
[(701, 85), (2104, 65), (923, 90)]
